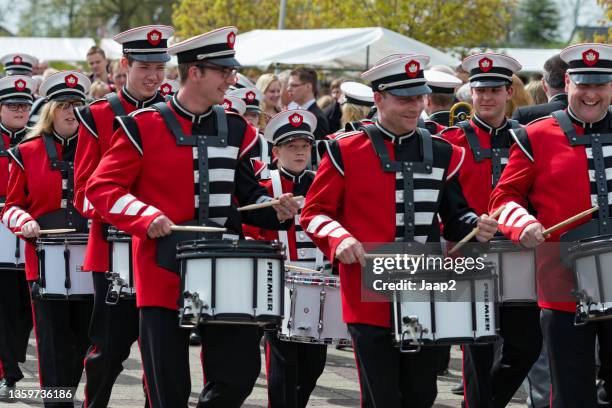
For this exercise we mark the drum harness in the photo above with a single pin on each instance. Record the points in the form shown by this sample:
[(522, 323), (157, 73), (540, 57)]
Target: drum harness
[(4, 153)]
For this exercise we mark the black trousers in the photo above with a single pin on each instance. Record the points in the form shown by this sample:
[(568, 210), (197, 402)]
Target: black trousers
[(491, 377), (571, 351), (15, 322), (62, 341), (230, 357), (112, 331), (388, 378), (292, 370)]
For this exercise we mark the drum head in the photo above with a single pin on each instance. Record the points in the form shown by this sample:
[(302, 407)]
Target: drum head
[(75, 239), (187, 249), (591, 246)]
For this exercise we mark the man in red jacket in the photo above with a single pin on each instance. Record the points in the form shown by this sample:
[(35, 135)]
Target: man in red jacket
[(560, 165), (388, 182), (490, 379), (114, 328), (185, 161)]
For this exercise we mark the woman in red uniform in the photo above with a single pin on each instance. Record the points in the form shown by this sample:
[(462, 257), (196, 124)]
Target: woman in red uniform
[(40, 196)]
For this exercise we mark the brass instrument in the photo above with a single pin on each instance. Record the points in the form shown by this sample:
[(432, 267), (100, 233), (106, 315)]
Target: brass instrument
[(464, 113)]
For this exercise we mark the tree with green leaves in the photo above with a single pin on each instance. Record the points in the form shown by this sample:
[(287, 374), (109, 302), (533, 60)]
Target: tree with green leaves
[(440, 23), (538, 22)]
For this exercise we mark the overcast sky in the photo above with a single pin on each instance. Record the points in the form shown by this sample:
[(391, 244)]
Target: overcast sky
[(590, 14)]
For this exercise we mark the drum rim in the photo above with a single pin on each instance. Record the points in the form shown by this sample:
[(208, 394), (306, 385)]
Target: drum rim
[(183, 256), (227, 244), (589, 247), (60, 239)]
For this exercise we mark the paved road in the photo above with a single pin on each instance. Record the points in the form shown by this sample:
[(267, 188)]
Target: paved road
[(337, 387)]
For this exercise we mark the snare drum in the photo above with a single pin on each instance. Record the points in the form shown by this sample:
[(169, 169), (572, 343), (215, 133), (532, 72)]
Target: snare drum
[(592, 264), (313, 310), (516, 268), (60, 263), (12, 250), (226, 281), (121, 272), (467, 314)]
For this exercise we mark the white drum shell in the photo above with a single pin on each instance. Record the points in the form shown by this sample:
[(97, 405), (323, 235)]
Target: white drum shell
[(453, 313), (587, 280), (517, 275), (301, 320), (81, 282), (8, 245), (234, 286), (121, 259)]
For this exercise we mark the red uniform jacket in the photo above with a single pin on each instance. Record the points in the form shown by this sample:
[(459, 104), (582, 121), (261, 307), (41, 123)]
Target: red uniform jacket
[(476, 177), (145, 173), (554, 176), (95, 135), (34, 188), (352, 196), (301, 251)]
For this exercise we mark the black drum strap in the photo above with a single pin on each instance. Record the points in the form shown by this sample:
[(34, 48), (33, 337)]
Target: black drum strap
[(115, 104)]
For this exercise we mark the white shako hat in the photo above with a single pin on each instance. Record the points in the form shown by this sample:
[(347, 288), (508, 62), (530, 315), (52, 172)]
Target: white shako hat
[(357, 93), (251, 96), (490, 69), (65, 85), (215, 47), (588, 63), (18, 63), (400, 75), (16, 89), (147, 43), (290, 125), (441, 82), (235, 104)]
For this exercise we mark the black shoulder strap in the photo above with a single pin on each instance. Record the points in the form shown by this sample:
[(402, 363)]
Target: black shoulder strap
[(15, 154), (131, 130), (514, 124), (477, 151), (85, 117), (331, 147), (51, 150), (565, 124), (115, 104)]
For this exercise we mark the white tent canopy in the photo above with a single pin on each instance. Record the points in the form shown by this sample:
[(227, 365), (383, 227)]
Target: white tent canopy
[(532, 59), (48, 49), (347, 48)]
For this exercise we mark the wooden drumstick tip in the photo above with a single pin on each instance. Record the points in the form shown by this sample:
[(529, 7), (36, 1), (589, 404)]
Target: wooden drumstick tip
[(570, 220), (266, 204), (300, 269), (51, 231), (196, 228)]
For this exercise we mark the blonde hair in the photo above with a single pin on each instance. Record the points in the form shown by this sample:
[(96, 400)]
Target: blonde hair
[(352, 112), (45, 122), (520, 96), (325, 101), (98, 89), (536, 89), (263, 83)]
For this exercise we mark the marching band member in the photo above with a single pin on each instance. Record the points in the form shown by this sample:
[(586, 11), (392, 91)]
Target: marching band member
[(114, 328), (184, 161), (490, 381), (292, 368), (440, 100), (18, 64), (15, 308), (252, 98), (40, 190), (361, 168), (556, 165)]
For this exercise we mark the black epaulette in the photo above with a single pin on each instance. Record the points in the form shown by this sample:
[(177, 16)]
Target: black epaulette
[(431, 126), (16, 156), (331, 147), (85, 118), (522, 140), (129, 126)]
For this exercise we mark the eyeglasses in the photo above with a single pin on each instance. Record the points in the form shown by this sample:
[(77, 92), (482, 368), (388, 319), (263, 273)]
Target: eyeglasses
[(15, 107), (226, 72), (69, 105)]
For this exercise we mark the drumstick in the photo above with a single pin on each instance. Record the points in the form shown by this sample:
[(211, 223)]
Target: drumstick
[(474, 231), (569, 220), (52, 231), (265, 204), (300, 269), (196, 228)]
